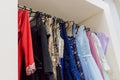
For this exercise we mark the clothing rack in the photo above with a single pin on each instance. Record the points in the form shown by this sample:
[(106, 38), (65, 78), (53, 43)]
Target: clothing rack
[(60, 20), (44, 14)]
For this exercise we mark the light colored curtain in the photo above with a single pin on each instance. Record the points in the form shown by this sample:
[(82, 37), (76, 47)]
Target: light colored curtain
[(117, 4)]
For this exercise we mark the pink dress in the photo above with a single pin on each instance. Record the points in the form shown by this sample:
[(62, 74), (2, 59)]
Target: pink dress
[(94, 52)]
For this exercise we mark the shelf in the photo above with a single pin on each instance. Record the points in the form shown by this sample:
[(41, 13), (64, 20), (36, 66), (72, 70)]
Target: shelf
[(77, 10)]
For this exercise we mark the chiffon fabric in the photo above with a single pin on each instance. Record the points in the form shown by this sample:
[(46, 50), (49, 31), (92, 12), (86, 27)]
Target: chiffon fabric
[(89, 66), (75, 53), (104, 39), (105, 66), (94, 52)]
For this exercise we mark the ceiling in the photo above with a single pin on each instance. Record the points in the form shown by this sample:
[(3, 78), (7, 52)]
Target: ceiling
[(76, 10)]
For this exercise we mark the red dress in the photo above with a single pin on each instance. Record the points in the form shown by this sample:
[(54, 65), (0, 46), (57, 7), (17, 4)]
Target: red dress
[(25, 50)]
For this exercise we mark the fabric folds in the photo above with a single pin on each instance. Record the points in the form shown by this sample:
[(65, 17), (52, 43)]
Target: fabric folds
[(89, 66), (70, 69), (26, 63)]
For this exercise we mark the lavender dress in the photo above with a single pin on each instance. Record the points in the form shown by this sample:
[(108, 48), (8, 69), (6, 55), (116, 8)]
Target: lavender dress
[(103, 40)]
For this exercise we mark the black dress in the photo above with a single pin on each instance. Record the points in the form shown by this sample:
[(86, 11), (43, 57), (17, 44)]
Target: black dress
[(42, 58)]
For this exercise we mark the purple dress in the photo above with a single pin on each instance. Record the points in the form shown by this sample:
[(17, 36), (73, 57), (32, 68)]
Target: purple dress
[(103, 40)]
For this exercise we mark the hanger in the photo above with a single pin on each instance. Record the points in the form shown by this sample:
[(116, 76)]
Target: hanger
[(60, 20), (77, 27), (88, 29), (54, 19), (36, 15), (24, 7), (30, 12), (18, 5)]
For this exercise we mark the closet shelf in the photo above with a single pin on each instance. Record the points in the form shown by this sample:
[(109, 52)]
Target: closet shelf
[(77, 10)]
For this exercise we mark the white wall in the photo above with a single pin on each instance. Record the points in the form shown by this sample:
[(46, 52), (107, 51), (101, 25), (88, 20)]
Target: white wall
[(98, 23), (8, 40)]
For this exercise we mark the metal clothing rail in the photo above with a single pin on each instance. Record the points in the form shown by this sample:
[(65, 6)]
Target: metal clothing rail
[(44, 14), (60, 20)]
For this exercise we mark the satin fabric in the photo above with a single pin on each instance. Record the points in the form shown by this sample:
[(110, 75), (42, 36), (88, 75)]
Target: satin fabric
[(25, 50), (70, 69)]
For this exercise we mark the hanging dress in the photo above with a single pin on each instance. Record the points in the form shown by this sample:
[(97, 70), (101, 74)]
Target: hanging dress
[(104, 39), (49, 29), (26, 65), (89, 66), (42, 58), (94, 52), (70, 69), (75, 53), (101, 54)]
